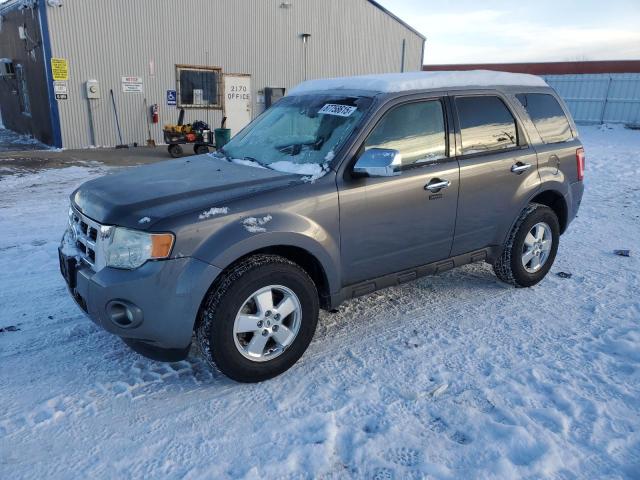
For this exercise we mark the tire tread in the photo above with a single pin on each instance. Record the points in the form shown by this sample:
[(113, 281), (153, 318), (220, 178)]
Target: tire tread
[(502, 265), (219, 289)]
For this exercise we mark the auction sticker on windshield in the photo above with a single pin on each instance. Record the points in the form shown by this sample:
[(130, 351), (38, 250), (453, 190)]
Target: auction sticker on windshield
[(339, 110)]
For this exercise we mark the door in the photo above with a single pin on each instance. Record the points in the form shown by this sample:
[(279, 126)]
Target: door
[(557, 146), (237, 101), (391, 224), (498, 171)]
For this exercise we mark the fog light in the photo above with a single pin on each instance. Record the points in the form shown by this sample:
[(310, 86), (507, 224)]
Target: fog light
[(124, 314)]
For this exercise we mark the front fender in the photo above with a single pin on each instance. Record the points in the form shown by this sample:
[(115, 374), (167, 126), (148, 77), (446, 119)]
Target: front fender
[(246, 234)]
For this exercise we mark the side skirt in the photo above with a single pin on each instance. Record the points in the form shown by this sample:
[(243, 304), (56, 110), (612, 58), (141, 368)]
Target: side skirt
[(368, 286)]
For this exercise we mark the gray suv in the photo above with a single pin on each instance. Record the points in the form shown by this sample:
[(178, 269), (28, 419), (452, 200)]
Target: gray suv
[(343, 187)]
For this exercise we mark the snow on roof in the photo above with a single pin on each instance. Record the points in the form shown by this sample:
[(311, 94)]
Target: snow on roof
[(400, 82)]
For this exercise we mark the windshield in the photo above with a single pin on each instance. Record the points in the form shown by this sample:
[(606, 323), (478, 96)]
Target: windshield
[(299, 131)]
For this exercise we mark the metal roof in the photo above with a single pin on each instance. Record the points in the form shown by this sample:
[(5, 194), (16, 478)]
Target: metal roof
[(16, 4), (396, 18), (548, 68)]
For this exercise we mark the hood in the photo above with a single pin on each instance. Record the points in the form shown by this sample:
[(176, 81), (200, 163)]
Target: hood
[(139, 197)]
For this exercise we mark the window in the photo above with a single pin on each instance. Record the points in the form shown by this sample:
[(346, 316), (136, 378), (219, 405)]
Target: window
[(486, 124), (547, 116), (23, 91), (198, 87), (299, 131), (416, 130)]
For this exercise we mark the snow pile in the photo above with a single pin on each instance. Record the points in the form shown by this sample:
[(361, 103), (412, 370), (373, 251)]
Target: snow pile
[(255, 225), (310, 169), (69, 246), (212, 212), (12, 141), (247, 163), (400, 82), (144, 220), (454, 376)]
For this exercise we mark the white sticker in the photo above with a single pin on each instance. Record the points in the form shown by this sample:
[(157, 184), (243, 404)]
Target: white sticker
[(339, 110)]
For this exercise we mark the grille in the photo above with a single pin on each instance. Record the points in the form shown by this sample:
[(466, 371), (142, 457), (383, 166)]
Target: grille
[(88, 237)]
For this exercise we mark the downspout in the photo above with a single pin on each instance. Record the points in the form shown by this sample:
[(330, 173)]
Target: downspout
[(404, 48), (46, 51)]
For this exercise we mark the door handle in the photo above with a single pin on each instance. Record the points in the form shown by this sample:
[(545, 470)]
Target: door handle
[(436, 184), (520, 167)]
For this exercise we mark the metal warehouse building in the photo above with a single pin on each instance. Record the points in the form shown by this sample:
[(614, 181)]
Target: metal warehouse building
[(60, 60)]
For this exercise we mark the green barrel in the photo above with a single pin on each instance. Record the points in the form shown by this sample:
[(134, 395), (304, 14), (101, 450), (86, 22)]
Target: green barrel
[(222, 135)]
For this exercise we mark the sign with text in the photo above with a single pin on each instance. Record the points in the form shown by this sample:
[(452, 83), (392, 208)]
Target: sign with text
[(132, 84), (61, 89), (237, 101), (60, 69)]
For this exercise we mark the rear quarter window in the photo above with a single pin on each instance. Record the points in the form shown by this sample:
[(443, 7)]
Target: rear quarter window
[(547, 116), (486, 124)]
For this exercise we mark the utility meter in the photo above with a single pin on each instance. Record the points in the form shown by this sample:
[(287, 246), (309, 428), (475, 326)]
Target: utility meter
[(93, 89)]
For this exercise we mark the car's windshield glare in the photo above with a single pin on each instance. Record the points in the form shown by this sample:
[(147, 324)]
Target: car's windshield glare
[(305, 129)]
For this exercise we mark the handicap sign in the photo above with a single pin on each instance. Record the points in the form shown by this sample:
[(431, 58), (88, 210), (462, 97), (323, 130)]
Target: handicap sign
[(171, 97)]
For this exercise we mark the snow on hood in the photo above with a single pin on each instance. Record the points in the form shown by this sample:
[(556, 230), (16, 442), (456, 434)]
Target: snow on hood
[(399, 82)]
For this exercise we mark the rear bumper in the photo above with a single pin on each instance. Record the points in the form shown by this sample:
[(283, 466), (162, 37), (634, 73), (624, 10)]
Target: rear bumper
[(573, 199), (165, 297)]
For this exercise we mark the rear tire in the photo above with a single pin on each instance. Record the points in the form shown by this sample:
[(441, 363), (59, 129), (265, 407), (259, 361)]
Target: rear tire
[(531, 247), (200, 149), (237, 297)]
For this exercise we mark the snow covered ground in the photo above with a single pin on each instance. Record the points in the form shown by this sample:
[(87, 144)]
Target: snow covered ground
[(12, 141), (454, 376)]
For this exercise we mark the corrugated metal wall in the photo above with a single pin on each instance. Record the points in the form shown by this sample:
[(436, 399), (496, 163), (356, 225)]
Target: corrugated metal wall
[(598, 98), (38, 121), (105, 40)]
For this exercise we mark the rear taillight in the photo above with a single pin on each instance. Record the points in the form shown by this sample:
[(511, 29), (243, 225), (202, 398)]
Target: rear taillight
[(580, 163)]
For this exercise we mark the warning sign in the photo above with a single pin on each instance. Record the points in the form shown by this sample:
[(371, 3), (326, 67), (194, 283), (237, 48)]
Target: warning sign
[(60, 69), (132, 84)]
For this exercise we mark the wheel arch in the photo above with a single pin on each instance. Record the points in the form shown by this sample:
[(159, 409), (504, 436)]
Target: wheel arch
[(306, 253), (303, 258), (556, 202)]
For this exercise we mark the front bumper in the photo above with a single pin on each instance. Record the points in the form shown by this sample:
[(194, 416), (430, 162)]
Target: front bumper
[(166, 293)]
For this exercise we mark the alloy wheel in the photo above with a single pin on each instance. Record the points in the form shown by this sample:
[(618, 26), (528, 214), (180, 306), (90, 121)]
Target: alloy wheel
[(536, 248), (267, 323)]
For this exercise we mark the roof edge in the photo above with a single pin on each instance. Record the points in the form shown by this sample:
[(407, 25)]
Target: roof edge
[(397, 19), (547, 68)]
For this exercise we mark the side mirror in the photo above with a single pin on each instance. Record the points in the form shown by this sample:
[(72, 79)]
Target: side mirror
[(378, 162)]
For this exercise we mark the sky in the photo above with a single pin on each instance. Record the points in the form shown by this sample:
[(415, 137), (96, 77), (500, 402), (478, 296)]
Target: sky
[(491, 31)]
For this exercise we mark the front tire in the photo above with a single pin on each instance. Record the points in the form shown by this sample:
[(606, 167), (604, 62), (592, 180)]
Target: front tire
[(531, 247), (258, 318), (175, 150)]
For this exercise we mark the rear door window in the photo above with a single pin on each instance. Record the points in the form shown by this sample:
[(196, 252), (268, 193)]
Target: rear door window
[(486, 124), (547, 116)]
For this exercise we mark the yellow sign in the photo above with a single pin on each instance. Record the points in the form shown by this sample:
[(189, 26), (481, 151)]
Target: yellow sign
[(60, 69)]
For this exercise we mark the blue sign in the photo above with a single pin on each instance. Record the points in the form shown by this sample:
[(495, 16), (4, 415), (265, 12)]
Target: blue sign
[(171, 97)]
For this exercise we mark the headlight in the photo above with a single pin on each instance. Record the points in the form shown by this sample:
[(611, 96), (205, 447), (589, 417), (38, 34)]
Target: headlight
[(131, 248)]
